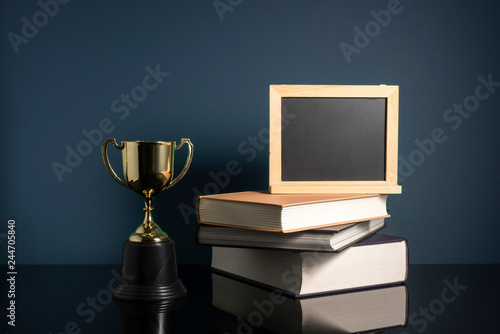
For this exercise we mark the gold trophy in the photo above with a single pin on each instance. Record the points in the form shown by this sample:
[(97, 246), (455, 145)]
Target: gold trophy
[(149, 269)]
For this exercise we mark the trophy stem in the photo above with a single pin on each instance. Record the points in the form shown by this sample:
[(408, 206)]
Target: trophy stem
[(148, 218), (148, 231)]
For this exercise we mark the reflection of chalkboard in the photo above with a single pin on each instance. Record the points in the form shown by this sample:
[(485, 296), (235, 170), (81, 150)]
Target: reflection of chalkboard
[(333, 139)]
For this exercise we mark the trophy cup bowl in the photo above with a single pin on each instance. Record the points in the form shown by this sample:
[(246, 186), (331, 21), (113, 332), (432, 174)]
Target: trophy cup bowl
[(149, 269)]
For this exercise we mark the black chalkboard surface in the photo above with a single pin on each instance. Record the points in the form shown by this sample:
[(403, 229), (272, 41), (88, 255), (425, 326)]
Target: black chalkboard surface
[(333, 139)]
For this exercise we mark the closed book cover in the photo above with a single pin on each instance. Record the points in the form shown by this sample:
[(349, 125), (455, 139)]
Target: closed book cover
[(288, 212), (331, 239), (353, 312), (375, 261)]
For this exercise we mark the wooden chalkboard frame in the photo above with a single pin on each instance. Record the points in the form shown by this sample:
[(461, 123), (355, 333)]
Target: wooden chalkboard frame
[(276, 124)]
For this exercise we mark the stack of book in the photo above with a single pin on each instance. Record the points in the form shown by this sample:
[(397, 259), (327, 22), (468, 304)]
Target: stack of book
[(302, 245)]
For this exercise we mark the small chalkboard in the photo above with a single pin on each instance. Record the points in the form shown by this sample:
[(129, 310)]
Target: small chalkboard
[(333, 139)]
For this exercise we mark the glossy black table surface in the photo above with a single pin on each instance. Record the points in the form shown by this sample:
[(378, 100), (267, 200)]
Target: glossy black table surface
[(77, 299)]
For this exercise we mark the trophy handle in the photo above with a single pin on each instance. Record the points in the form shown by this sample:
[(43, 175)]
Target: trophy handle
[(188, 160), (104, 149)]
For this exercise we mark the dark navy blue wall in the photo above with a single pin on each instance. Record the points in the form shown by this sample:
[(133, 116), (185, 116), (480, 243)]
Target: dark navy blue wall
[(163, 70)]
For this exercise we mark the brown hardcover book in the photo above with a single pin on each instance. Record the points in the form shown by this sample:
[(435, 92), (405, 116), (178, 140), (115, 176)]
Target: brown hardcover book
[(261, 210)]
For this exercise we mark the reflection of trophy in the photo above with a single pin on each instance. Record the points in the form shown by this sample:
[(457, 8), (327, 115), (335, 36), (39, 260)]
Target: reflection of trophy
[(149, 269)]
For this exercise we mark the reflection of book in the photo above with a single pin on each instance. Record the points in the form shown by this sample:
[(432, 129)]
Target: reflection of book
[(290, 212), (375, 261), (366, 310), (334, 238)]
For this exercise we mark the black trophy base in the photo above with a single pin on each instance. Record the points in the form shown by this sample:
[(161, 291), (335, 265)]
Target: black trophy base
[(149, 278)]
